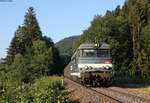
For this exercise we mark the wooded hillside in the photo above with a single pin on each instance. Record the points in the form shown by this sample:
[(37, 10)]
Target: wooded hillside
[(65, 45), (127, 30)]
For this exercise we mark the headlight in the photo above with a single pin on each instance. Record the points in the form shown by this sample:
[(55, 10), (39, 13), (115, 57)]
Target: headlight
[(86, 67), (107, 67), (90, 67)]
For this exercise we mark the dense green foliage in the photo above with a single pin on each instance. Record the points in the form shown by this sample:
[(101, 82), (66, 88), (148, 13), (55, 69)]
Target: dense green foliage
[(30, 57), (127, 30), (35, 53), (44, 90), (24, 36)]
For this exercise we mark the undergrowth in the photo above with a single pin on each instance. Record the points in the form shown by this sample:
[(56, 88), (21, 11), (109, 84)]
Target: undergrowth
[(43, 90)]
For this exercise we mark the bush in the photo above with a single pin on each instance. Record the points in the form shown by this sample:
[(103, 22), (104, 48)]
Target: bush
[(44, 90)]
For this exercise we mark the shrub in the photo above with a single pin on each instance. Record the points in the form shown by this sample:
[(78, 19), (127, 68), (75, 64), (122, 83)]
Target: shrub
[(44, 90)]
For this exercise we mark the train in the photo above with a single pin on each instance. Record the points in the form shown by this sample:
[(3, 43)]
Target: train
[(91, 64)]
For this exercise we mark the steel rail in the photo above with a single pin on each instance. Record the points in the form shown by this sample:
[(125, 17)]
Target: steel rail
[(94, 94), (123, 96)]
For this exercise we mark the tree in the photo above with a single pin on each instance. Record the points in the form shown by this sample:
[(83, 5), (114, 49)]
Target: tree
[(138, 19), (48, 41), (24, 36), (40, 59), (145, 48), (123, 30), (16, 45), (113, 28), (31, 55), (31, 27), (20, 70), (117, 11), (57, 68)]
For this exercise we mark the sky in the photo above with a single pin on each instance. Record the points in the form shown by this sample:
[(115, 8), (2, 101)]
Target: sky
[(57, 18)]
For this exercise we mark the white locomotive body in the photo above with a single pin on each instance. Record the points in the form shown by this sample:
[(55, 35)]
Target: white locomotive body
[(91, 64)]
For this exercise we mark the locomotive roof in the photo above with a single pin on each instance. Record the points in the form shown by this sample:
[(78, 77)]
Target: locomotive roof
[(89, 45)]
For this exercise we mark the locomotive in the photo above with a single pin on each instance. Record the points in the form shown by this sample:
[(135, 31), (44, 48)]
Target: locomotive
[(91, 64)]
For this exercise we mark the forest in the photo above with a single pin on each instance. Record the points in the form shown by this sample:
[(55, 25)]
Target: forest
[(127, 30), (32, 58)]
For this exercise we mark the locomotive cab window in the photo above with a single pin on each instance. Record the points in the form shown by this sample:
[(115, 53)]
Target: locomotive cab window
[(89, 53), (103, 53), (95, 53)]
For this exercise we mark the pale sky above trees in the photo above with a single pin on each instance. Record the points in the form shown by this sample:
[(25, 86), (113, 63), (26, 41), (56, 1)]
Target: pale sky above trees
[(57, 18)]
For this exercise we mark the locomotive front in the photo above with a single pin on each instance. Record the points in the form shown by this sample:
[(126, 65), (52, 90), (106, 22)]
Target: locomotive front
[(92, 64)]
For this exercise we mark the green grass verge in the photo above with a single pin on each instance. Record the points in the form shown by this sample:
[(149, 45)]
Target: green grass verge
[(43, 90)]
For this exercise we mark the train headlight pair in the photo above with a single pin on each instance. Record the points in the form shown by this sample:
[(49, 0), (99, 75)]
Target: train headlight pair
[(88, 67)]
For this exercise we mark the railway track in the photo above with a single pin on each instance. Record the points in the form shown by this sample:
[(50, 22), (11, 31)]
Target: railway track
[(107, 95), (147, 96), (95, 95), (122, 96)]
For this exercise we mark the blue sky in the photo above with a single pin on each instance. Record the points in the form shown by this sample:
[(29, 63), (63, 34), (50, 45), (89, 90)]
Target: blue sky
[(57, 18)]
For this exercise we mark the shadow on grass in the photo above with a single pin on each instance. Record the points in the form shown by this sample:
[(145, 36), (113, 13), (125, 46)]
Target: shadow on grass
[(75, 101), (131, 82)]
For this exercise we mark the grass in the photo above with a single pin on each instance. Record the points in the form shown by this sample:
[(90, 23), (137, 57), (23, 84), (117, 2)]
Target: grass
[(48, 81), (44, 90), (146, 88), (132, 82)]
